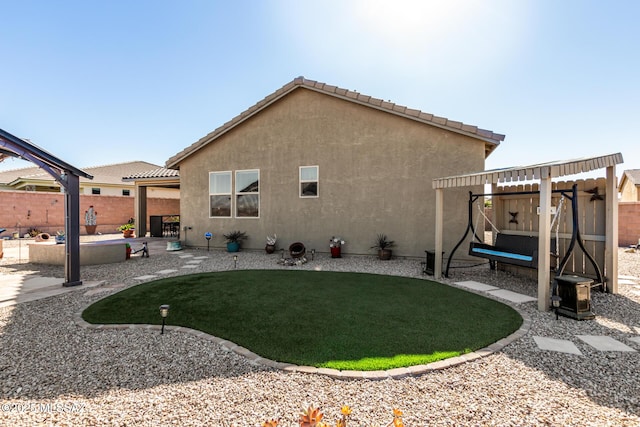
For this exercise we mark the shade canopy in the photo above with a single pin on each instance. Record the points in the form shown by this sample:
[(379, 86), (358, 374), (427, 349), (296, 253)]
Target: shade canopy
[(555, 169)]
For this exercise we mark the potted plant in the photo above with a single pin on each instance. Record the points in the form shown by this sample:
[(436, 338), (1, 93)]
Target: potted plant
[(60, 237), (90, 220), (234, 239), (271, 244), (383, 245), (127, 229), (335, 245)]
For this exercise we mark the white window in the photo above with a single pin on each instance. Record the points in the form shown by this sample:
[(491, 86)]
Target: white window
[(248, 194), (220, 194), (308, 181)]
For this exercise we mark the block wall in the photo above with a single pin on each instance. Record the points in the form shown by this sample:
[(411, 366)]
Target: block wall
[(21, 211), (628, 223)]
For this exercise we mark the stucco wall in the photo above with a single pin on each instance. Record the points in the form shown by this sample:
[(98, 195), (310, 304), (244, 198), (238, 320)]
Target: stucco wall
[(375, 173), (629, 192), (21, 210)]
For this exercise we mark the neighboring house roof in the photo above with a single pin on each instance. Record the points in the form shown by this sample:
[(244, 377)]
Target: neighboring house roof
[(158, 173), (107, 174), (633, 175), (491, 139)]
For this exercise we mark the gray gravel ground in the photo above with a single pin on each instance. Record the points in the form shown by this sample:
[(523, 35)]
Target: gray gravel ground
[(54, 372)]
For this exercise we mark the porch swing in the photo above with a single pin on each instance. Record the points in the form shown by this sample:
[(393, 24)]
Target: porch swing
[(523, 250)]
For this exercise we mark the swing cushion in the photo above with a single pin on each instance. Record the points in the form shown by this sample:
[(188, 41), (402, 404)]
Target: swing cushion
[(510, 249)]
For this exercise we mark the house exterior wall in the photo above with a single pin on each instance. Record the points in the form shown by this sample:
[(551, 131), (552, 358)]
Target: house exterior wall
[(629, 192), (111, 190), (22, 210), (375, 176)]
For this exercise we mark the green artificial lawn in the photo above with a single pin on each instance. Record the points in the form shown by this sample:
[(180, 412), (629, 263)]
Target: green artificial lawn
[(351, 321)]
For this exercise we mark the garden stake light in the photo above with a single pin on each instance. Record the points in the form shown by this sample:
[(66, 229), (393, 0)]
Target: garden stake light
[(235, 261), (164, 312), (555, 302), (313, 254), (207, 236)]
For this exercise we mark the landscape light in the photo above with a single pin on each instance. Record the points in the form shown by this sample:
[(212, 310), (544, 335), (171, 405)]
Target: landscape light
[(164, 312)]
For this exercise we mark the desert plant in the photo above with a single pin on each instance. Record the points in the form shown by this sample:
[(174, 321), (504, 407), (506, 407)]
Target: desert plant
[(381, 243), (127, 226), (90, 216), (235, 236), (271, 240)]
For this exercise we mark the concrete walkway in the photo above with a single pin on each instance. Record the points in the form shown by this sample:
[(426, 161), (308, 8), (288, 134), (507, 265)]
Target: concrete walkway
[(599, 342)]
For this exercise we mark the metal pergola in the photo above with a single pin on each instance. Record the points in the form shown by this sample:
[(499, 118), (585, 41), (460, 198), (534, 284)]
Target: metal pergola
[(69, 178)]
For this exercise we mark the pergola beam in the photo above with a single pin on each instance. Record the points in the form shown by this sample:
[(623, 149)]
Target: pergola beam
[(69, 178)]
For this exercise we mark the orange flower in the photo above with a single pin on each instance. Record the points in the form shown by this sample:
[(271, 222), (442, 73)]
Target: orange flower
[(311, 417), (346, 411), (397, 422), (270, 423), (397, 412)]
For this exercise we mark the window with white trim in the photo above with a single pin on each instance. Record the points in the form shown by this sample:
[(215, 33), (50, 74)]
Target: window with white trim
[(308, 181), (248, 193), (220, 194)]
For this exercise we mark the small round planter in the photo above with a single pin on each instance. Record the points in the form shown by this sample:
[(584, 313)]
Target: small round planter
[(384, 254), (127, 233), (233, 247), (91, 229), (270, 249), (59, 240)]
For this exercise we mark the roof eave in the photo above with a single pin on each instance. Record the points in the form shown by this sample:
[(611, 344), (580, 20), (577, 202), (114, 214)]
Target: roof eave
[(491, 139)]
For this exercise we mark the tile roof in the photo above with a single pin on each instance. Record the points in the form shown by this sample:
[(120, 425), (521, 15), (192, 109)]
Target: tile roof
[(492, 139), (154, 174), (106, 174)]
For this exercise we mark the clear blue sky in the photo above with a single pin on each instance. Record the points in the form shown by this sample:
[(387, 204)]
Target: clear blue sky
[(105, 82)]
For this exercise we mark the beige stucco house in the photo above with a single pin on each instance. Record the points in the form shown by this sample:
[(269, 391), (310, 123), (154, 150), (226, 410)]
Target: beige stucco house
[(312, 161), (629, 187)]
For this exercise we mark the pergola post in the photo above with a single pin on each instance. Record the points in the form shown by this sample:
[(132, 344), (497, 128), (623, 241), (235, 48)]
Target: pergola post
[(437, 268), (611, 242), (141, 210), (544, 244), (72, 227)]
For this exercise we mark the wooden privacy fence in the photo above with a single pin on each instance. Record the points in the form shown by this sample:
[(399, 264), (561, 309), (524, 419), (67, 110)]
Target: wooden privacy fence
[(518, 214)]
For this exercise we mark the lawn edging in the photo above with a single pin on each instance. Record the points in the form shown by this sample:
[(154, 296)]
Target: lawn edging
[(395, 373)]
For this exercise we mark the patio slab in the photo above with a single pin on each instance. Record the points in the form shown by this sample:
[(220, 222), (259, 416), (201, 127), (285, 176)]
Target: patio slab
[(512, 296), (476, 286), (604, 343), (554, 344)]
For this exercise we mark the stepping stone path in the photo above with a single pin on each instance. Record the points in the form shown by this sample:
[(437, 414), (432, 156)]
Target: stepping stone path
[(599, 342)]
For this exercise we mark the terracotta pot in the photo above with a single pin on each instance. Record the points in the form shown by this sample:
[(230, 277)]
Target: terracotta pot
[(127, 233), (384, 254), (91, 229)]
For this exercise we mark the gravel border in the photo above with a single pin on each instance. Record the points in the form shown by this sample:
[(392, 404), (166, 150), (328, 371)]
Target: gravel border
[(135, 376)]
